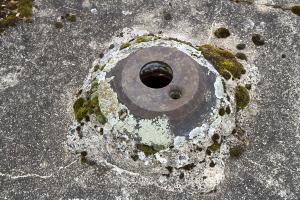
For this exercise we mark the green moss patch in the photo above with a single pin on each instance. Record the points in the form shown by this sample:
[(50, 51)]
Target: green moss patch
[(224, 61), (242, 97), (296, 10), (10, 9), (149, 150), (89, 105), (222, 33), (25, 8), (10, 20)]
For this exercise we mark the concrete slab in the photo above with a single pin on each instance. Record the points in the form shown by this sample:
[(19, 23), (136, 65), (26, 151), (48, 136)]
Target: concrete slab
[(41, 67)]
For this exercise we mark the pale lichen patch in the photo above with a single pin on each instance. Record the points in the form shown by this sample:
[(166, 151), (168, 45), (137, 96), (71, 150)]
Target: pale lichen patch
[(155, 132)]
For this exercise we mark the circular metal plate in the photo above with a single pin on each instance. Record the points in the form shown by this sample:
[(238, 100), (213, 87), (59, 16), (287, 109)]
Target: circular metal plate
[(191, 79)]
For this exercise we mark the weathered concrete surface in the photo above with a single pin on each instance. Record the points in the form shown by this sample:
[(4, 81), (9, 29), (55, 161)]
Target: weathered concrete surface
[(41, 67)]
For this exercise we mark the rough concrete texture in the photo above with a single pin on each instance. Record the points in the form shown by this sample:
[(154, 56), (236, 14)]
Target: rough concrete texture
[(41, 68)]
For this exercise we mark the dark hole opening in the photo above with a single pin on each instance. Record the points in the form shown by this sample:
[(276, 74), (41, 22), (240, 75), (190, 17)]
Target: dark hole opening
[(156, 74), (175, 93)]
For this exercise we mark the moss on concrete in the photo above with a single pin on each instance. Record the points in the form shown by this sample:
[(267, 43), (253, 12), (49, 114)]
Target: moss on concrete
[(79, 110), (241, 56), (257, 40), (149, 150), (71, 17), (242, 97), (241, 46), (11, 9), (58, 25), (222, 33), (125, 45), (138, 39), (10, 20), (296, 10), (181, 41), (25, 8), (214, 147), (145, 38), (98, 67), (224, 61), (89, 105)]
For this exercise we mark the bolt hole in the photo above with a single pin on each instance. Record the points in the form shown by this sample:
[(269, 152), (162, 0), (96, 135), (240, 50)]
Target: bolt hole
[(156, 74), (175, 93)]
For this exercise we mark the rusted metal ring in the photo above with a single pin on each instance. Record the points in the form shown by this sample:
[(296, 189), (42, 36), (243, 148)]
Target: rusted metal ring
[(191, 81)]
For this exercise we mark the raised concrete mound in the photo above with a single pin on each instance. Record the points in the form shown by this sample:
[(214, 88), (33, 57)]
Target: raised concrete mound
[(156, 99)]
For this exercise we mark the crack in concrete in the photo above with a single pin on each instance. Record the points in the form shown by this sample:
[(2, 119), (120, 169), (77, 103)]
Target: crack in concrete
[(25, 176), (15, 177)]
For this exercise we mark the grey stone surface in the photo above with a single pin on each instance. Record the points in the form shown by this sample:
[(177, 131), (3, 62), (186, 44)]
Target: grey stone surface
[(41, 67)]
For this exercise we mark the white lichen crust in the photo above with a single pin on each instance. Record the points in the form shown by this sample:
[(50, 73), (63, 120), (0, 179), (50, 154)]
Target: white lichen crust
[(193, 164)]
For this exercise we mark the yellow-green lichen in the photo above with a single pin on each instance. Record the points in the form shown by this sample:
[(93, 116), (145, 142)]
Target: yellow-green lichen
[(98, 67), (224, 61), (145, 38), (214, 147), (296, 10), (89, 105), (125, 45), (181, 41), (149, 150), (242, 97)]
